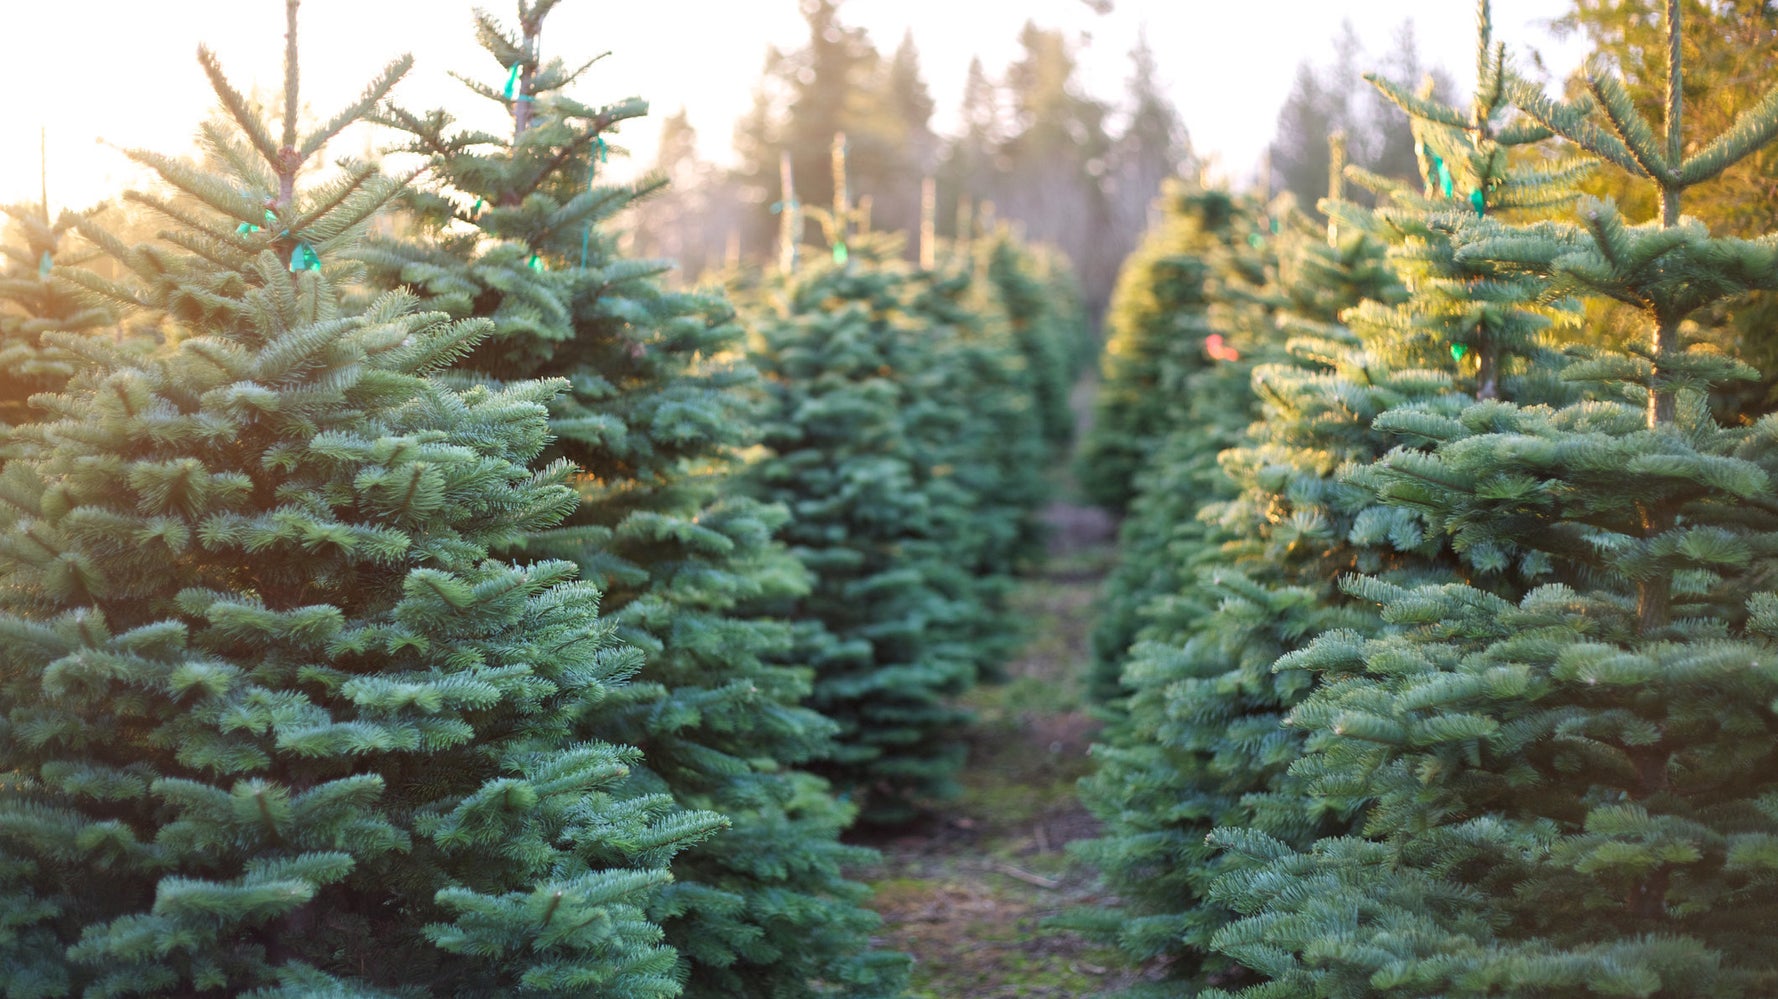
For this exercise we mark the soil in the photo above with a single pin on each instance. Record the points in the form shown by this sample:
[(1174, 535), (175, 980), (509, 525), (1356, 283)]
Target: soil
[(969, 891)]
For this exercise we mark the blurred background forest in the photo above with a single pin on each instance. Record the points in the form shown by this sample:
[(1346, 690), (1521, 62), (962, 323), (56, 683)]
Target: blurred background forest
[(1032, 145)]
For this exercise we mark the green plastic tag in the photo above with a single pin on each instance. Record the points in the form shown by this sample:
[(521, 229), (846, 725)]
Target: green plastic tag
[(512, 80), (304, 258), (1457, 351), (840, 253)]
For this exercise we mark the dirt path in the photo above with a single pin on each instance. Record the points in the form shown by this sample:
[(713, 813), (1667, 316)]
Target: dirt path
[(967, 893)]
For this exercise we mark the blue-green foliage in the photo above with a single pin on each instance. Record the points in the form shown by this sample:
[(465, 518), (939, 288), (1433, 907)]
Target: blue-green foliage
[(1208, 738), (1566, 786), (903, 436), (1154, 338), (657, 408), (34, 301), (1219, 298), (275, 722)]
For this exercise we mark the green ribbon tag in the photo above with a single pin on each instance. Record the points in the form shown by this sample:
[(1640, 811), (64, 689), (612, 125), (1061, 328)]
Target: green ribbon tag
[(304, 258), (1479, 202), (476, 209), (1255, 240), (535, 263), (44, 263), (603, 149), (1457, 351), (840, 253), (1444, 176), (512, 80), (246, 227)]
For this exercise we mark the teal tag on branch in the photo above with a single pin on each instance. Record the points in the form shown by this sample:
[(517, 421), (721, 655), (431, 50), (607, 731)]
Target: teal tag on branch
[(44, 263), (1444, 176), (1478, 201), (1457, 351), (840, 253), (246, 227), (535, 263), (603, 149), (1255, 240), (304, 258), (512, 80), (476, 209)]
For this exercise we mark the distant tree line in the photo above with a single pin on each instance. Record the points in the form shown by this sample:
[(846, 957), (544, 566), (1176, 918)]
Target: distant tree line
[(1031, 146)]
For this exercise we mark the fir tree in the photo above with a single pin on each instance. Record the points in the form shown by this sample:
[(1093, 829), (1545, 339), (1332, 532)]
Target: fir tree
[(1203, 744), (891, 617), (904, 437), (276, 724), (656, 411), (1729, 46), (1045, 324), (1155, 339), (33, 302), (1209, 404), (1568, 791)]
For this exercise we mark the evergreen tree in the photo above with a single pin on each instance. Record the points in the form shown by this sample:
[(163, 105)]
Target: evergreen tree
[(1729, 45), (1567, 791), (656, 411), (276, 724), (904, 438), (1150, 148), (1209, 404), (1153, 338), (1057, 155), (32, 302), (1045, 324), (1203, 743), (838, 82), (891, 617), (1331, 100)]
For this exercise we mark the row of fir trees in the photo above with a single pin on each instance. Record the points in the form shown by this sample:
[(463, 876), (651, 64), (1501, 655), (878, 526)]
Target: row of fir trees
[(407, 594), (1455, 672)]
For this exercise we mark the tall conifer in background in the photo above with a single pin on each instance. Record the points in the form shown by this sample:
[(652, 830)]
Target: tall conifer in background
[(518, 229), (275, 722), (1568, 793)]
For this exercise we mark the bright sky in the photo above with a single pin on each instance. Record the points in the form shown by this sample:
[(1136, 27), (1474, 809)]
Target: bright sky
[(124, 72)]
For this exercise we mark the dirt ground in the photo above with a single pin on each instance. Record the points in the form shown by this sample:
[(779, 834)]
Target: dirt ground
[(968, 892)]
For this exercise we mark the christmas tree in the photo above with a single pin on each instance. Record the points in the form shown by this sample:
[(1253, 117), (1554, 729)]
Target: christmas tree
[(276, 724), (1203, 744), (892, 619), (1208, 406), (517, 229), (1566, 791), (1155, 339), (32, 303), (1038, 299), (903, 436)]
